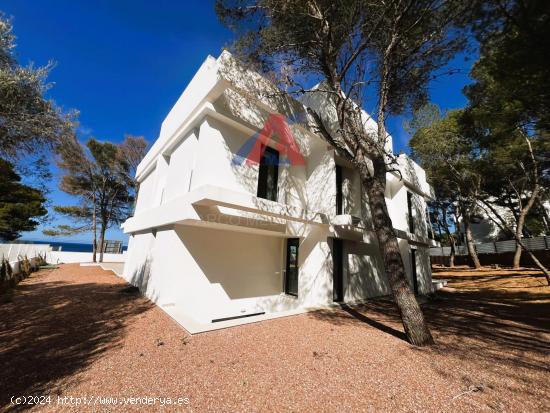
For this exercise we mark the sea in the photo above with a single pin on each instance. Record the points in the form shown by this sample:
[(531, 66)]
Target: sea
[(68, 246)]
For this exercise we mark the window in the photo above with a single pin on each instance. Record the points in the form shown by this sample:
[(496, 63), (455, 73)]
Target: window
[(291, 277), (268, 174), (410, 212), (337, 270), (413, 271), (339, 197), (431, 219)]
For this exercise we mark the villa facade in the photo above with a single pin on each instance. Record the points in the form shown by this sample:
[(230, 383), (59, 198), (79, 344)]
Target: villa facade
[(243, 211)]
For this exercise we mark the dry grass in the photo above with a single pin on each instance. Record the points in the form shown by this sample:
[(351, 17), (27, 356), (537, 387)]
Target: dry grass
[(75, 332), (528, 280)]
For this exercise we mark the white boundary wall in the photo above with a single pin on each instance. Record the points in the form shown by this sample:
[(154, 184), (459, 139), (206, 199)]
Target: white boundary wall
[(68, 257), (12, 251)]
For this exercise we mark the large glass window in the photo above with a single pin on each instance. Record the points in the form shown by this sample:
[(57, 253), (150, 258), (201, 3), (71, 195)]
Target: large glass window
[(268, 174)]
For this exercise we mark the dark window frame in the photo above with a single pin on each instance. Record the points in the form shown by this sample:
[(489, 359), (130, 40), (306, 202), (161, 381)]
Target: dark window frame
[(410, 211), (339, 192), (289, 290), (269, 168), (414, 275), (337, 270)]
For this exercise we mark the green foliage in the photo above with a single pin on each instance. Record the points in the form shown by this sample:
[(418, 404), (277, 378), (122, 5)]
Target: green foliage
[(495, 152), (25, 267), (511, 77), (6, 272), (424, 117), (508, 114), (28, 121), (101, 176), (350, 48), (447, 155), (20, 204), (394, 45)]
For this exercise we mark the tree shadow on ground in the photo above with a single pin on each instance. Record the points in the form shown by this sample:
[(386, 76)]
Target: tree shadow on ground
[(496, 328), (509, 320), (52, 330), (379, 313)]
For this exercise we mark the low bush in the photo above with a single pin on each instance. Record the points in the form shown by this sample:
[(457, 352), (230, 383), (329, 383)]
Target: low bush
[(6, 272), (9, 280)]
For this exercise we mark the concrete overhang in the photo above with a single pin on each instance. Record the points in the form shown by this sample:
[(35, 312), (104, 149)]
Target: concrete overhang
[(415, 239), (187, 208)]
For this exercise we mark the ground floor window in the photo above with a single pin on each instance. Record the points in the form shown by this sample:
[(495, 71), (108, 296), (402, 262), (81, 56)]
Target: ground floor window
[(291, 275), (337, 270)]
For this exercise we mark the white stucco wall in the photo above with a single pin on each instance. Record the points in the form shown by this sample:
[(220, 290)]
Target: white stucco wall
[(206, 272), (321, 181), (396, 199), (182, 164), (210, 266), (146, 193), (68, 257), (363, 272)]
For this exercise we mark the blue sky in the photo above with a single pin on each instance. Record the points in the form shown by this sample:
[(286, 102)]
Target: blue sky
[(124, 63)]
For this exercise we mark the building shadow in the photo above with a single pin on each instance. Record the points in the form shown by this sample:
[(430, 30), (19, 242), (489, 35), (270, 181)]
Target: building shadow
[(508, 321), (494, 327), (49, 331)]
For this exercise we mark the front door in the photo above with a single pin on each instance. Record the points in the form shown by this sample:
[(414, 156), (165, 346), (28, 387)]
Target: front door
[(413, 271), (337, 270), (291, 278)]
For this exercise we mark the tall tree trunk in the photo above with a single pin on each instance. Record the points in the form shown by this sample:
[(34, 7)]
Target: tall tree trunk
[(521, 222), (453, 250), (374, 185), (470, 241), (517, 254), (102, 240), (414, 323), (540, 266), (412, 316), (450, 237), (544, 216), (94, 230)]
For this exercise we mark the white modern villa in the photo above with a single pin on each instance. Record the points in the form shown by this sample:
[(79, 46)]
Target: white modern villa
[(236, 222)]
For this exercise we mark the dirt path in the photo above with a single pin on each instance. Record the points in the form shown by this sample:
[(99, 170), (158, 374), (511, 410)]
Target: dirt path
[(75, 332)]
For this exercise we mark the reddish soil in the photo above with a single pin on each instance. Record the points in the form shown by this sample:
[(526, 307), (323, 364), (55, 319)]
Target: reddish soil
[(76, 332)]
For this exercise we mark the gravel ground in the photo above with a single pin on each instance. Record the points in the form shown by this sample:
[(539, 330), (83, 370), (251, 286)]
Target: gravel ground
[(76, 331)]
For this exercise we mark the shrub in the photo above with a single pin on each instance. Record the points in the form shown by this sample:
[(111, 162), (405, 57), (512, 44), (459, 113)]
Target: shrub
[(6, 271), (3, 272), (41, 259), (25, 267)]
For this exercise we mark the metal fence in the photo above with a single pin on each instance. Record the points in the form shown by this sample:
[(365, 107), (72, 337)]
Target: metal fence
[(112, 247), (533, 244)]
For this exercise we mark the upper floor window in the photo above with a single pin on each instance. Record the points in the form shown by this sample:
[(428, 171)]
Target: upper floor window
[(269, 174), (339, 192), (410, 212)]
